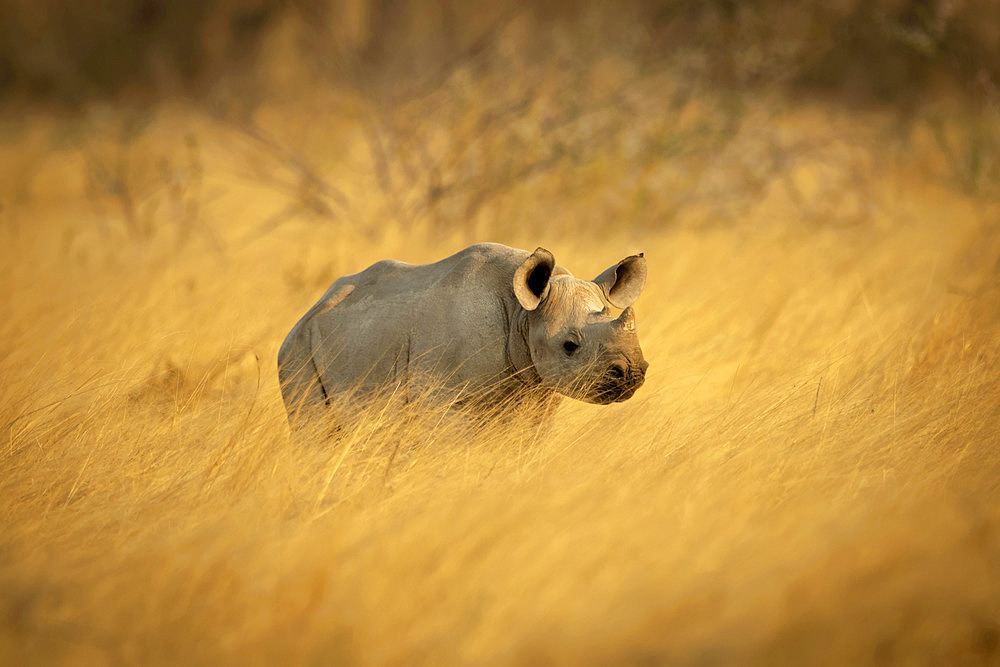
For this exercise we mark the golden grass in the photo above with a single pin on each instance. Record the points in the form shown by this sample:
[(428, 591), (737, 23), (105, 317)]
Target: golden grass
[(808, 475)]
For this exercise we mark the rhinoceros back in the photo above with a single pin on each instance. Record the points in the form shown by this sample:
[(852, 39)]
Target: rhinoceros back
[(404, 328)]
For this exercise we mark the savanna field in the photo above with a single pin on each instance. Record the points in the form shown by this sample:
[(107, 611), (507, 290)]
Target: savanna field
[(810, 474)]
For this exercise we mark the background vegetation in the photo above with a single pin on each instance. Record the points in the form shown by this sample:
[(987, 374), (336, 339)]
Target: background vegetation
[(808, 475)]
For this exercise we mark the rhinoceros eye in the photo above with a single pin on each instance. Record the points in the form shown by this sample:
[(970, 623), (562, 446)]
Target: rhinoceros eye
[(570, 346)]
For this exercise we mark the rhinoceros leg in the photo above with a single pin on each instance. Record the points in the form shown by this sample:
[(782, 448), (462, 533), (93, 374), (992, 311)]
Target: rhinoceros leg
[(303, 392)]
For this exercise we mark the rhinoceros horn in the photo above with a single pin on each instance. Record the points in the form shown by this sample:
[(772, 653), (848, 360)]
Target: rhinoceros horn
[(626, 321)]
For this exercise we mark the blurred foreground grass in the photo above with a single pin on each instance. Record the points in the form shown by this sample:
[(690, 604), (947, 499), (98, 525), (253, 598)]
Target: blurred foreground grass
[(809, 474)]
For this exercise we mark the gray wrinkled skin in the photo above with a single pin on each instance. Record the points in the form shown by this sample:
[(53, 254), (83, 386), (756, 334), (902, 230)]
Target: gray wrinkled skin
[(489, 326)]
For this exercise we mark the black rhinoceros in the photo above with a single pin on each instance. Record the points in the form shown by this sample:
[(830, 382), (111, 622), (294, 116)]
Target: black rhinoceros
[(490, 325)]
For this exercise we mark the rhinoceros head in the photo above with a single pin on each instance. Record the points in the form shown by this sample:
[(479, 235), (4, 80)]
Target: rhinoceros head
[(576, 345)]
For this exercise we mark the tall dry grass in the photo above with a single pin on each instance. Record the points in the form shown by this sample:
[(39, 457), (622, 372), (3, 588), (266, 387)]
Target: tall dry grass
[(808, 475)]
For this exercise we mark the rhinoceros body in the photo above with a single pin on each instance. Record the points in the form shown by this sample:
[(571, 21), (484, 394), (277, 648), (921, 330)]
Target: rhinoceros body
[(489, 325)]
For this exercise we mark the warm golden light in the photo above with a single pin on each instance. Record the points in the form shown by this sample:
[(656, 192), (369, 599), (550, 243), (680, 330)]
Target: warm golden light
[(809, 473)]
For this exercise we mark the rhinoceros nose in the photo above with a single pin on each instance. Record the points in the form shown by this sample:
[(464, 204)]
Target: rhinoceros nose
[(643, 365), (638, 374), (618, 371)]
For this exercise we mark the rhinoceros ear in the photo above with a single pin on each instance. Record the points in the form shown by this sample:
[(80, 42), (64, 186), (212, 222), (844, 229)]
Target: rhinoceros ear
[(531, 280), (623, 282)]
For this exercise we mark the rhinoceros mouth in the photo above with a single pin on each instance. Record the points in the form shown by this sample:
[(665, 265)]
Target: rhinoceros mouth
[(627, 394), (614, 393)]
